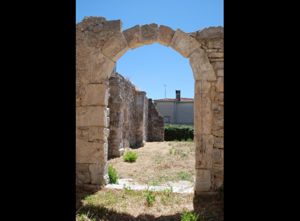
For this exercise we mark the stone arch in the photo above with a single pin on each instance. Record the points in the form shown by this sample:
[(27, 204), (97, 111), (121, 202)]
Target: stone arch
[(99, 44)]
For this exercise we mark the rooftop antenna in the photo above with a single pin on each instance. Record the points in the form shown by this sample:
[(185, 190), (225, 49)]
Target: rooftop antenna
[(165, 91)]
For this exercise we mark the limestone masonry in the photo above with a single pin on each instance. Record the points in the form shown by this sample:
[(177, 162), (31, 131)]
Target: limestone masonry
[(132, 117), (99, 45)]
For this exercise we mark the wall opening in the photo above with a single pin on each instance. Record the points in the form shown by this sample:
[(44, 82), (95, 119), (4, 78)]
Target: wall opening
[(99, 45), (135, 120)]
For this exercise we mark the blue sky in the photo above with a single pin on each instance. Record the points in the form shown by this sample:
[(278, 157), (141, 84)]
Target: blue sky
[(152, 68)]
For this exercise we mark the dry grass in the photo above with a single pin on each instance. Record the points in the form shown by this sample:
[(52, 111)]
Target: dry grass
[(134, 202), (159, 162), (129, 205)]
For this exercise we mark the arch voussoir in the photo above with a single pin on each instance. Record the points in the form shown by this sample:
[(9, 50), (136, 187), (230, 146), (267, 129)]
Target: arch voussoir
[(183, 43), (149, 33), (165, 35), (201, 66), (133, 36), (115, 46)]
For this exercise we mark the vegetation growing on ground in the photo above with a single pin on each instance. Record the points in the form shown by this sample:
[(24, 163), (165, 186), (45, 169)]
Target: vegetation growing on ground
[(127, 204), (189, 216), (130, 156), (150, 198), (112, 174), (159, 163), (175, 132)]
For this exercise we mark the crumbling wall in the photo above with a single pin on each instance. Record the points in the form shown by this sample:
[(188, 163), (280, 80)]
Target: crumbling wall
[(128, 116), (99, 45), (155, 123), (133, 117)]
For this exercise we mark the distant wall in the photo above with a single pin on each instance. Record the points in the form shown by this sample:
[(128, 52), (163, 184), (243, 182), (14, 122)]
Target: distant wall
[(155, 123), (177, 112), (185, 113), (129, 117)]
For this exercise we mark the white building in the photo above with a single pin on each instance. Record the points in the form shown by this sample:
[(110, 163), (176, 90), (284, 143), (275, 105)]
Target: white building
[(176, 110)]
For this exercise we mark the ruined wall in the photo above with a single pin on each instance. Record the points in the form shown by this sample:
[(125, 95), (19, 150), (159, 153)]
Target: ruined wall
[(128, 116), (99, 45), (155, 123), (133, 119), (212, 40)]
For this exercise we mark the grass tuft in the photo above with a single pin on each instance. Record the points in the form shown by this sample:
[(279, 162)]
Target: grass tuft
[(130, 156), (112, 174)]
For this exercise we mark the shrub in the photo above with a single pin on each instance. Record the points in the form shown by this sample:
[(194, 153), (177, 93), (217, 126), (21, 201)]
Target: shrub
[(150, 198), (112, 174), (179, 132), (189, 216), (130, 156)]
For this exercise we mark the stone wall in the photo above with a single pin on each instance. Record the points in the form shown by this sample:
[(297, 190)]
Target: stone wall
[(129, 116), (99, 45), (155, 123), (212, 40)]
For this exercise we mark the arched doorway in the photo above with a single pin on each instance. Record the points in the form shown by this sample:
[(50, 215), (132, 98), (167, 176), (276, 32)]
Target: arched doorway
[(99, 45)]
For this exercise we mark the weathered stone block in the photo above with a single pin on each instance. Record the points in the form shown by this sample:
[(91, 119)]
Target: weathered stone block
[(220, 72), (220, 84), (115, 47), (91, 116), (89, 22), (206, 114), (215, 55), (165, 35), (149, 33), (197, 115), (218, 133), (82, 133), (97, 134), (82, 173), (113, 25), (89, 152), (219, 142), (204, 151), (218, 116), (219, 98), (218, 123), (203, 181), (80, 92), (202, 87), (211, 33), (100, 68), (202, 114), (96, 94), (217, 65), (183, 43), (202, 69), (216, 43), (213, 93), (133, 36), (218, 175), (217, 109), (97, 173), (218, 156)]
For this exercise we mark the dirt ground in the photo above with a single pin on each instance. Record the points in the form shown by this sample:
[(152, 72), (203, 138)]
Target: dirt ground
[(159, 162)]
